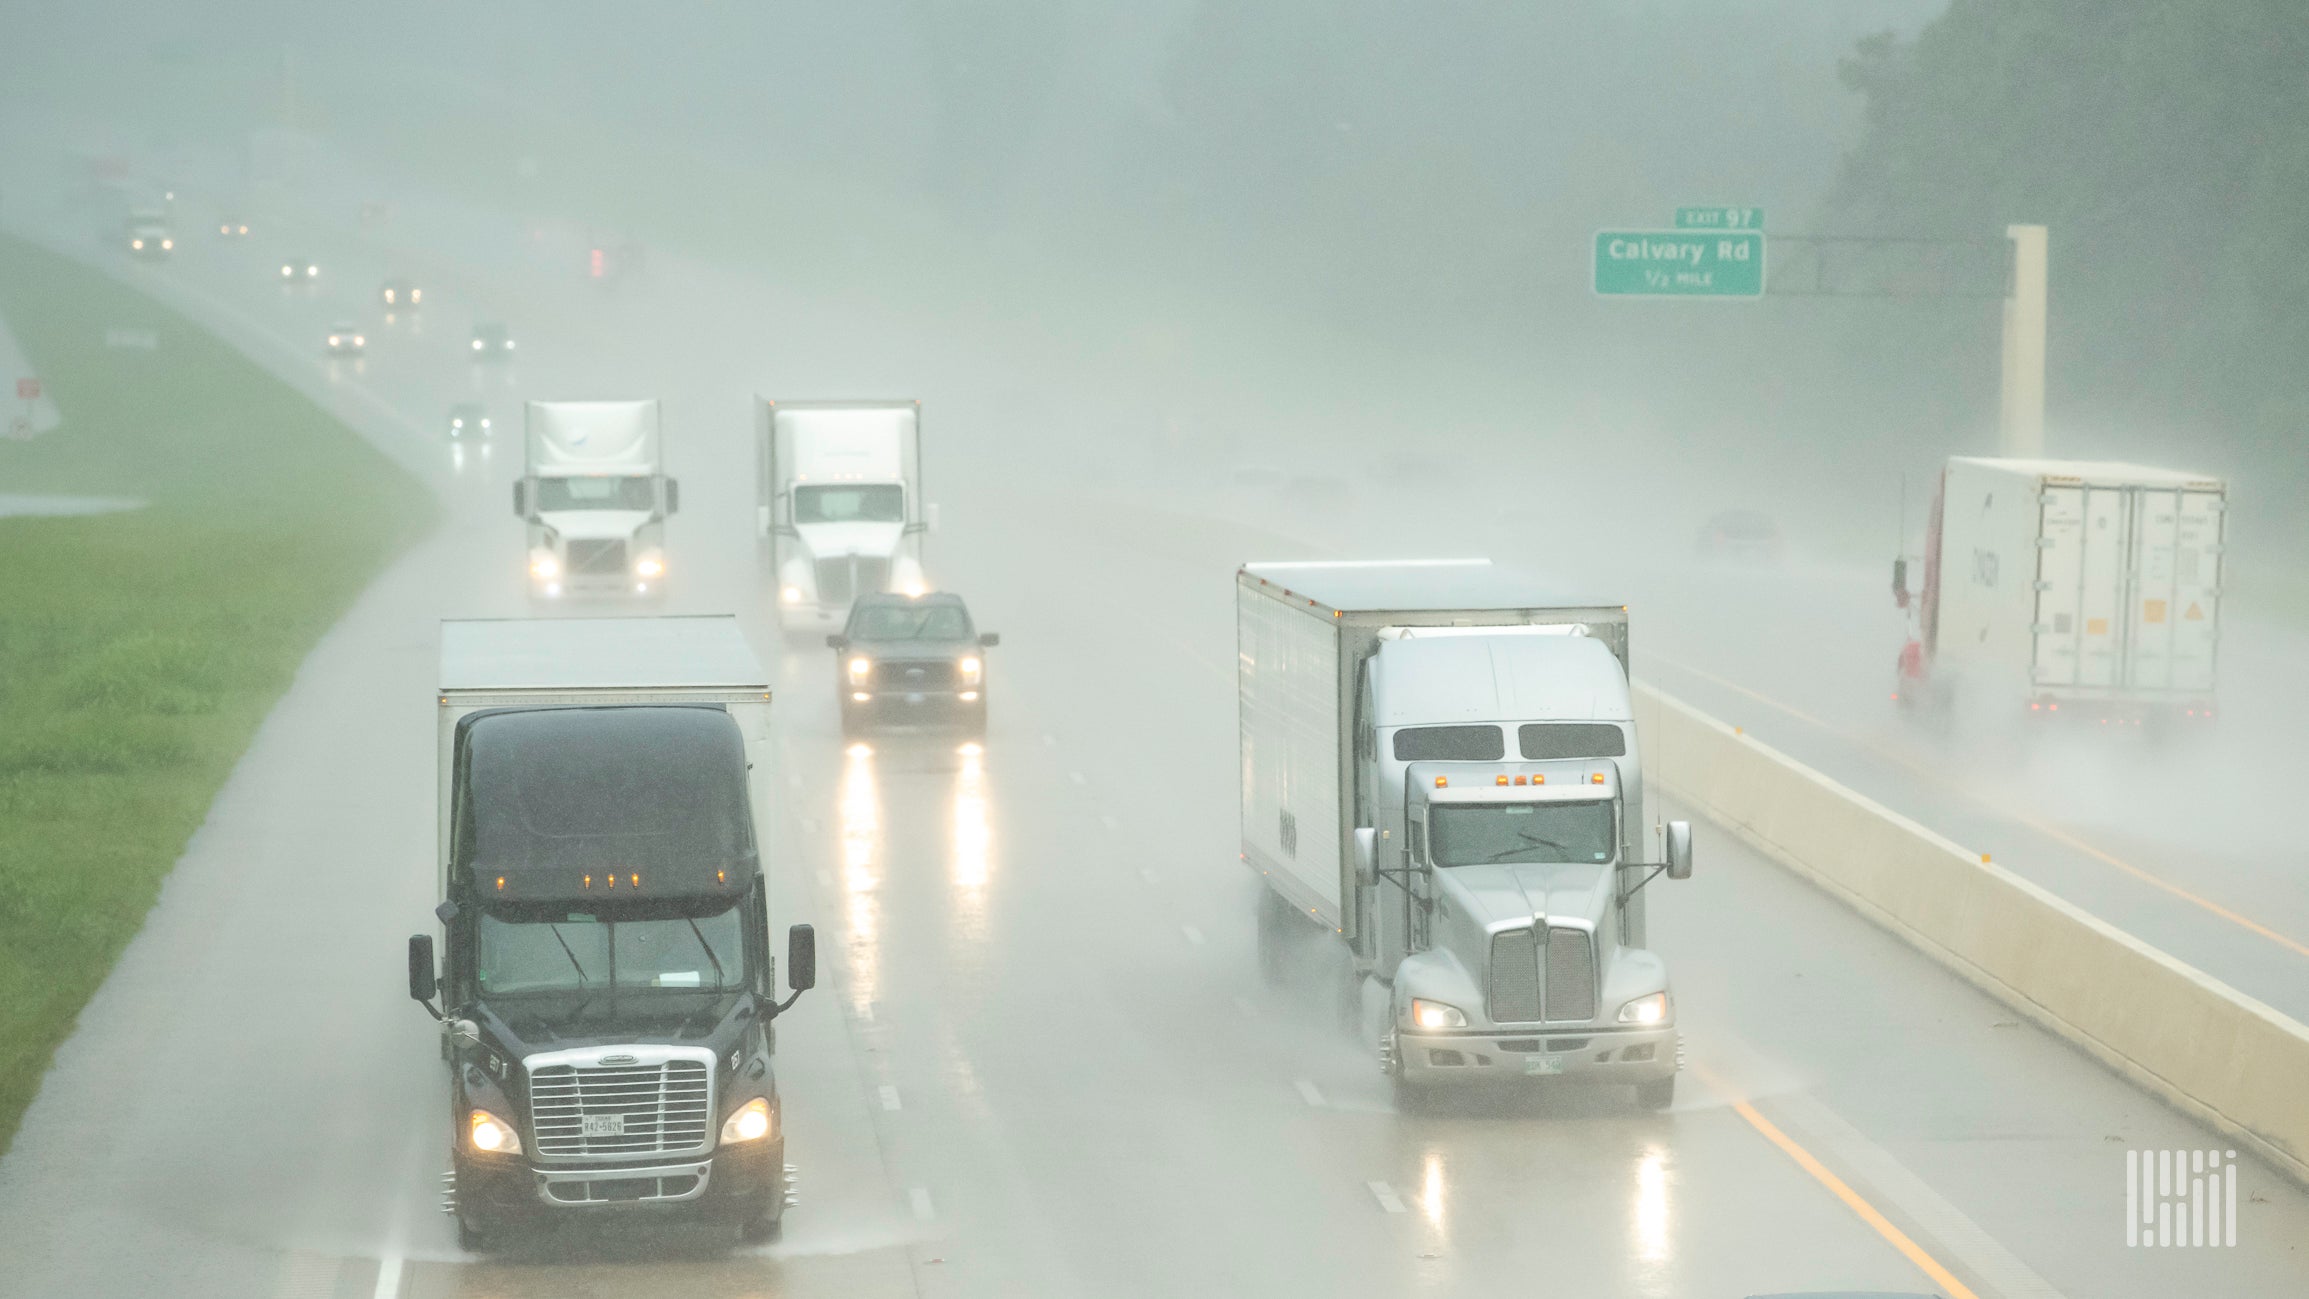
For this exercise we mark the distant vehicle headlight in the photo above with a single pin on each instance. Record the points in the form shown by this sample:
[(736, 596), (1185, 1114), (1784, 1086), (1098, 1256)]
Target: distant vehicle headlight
[(167, 244), (508, 344), (416, 295), (492, 1135), (751, 1122), (1646, 1010), (860, 668), (288, 272), (333, 340), (971, 666), (456, 423), (137, 244), (359, 341), (649, 566), (311, 271), (544, 565), (1434, 1014), (476, 344), (484, 422)]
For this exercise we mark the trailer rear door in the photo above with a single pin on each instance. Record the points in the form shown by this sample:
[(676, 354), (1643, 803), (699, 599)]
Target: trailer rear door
[(2176, 604)]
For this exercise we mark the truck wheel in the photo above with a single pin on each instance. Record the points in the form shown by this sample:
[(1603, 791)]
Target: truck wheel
[(476, 1233), (1657, 1094), (1410, 1097)]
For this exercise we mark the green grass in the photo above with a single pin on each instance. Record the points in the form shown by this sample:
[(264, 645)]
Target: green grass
[(139, 651)]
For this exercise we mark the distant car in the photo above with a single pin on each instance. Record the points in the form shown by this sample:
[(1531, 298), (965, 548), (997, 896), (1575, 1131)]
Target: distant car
[(232, 228), (149, 235), (1742, 537), (492, 342), (401, 295), (346, 339), (298, 270), (911, 659), (468, 419)]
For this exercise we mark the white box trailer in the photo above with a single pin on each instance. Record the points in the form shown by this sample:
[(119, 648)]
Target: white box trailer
[(2086, 587), (841, 510)]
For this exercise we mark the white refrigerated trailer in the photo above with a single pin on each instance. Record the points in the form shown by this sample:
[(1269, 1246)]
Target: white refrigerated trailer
[(2088, 589)]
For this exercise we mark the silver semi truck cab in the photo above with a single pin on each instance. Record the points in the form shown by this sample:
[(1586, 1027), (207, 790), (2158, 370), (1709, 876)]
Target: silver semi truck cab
[(595, 496), (1364, 684), (841, 512)]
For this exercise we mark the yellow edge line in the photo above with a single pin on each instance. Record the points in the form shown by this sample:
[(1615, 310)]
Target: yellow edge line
[(2049, 831), (1899, 1239)]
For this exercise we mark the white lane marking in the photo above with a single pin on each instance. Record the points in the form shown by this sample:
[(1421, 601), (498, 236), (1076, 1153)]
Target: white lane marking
[(1194, 935), (1244, 1008), (389, 1277), (1110, 823), (1310, 1093), (1078, 778), (889, 1097), (919, 1197), (1386, 1197)]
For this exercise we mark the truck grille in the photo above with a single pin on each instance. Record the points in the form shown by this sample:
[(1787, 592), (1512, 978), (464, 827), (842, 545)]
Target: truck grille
[(601, 557), (660, 1108), (844, 577), (930, 674), (1514, 977), (1570, 975)]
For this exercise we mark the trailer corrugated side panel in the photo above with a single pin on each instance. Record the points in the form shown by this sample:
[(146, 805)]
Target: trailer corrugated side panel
[(1287, 663)]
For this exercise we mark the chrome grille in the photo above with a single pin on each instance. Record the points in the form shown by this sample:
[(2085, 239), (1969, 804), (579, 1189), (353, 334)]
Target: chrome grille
[(844, 578), (661, 1108), (920, 674), (1514, 977), (1570, 975), (597, 557)]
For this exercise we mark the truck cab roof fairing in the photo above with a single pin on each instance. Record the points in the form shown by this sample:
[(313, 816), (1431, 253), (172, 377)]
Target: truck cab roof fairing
[(603, 805)]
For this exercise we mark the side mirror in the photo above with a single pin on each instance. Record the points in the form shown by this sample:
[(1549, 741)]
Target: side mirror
[(521, 498), (422, 983), (801, 958), (988, 640), (1900, 581), (837, 641), (1679, 850), (673, 496), (1366, 856)]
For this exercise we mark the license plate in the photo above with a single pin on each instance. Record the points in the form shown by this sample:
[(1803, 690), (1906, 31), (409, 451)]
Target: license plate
[(602, 1125), (1542, 1064)]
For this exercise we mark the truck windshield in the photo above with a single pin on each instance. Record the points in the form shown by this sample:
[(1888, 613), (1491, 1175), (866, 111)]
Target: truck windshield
[(634, 493), (911, 622), (1520, 832), (852, 503), (529, 950)]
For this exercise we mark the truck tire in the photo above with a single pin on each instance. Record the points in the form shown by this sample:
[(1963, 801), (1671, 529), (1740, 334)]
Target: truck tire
[(764, 1222), (1657, 1094), (1410, 1097), (477, 1233)]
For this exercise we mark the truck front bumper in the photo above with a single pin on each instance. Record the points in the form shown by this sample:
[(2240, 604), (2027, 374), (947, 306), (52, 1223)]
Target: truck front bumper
[(1606, 1055), (735, 1181)]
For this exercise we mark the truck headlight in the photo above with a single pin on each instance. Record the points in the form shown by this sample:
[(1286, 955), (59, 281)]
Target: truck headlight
[(860, 668), (752, 1121), (491, 1135), (972, 667), (1646, 1010), (649, 566), (791, 595), (1434, 1014), (544, 566)]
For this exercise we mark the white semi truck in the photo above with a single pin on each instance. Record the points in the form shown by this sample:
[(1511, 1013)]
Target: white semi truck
[(595, 496), (601, 967), (841, 510), (2081, 590), (1440, 769)]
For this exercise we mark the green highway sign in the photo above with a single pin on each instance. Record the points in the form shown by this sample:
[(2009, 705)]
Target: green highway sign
[(1719, 218), (1679, 263)]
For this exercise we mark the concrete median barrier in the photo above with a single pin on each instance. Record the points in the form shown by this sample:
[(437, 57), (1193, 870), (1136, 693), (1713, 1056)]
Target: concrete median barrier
[(2201, 1045)]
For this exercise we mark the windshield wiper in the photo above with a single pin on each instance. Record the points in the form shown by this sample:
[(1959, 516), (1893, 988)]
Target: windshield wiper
[(1529, 840), (582, 981), (709, 948)]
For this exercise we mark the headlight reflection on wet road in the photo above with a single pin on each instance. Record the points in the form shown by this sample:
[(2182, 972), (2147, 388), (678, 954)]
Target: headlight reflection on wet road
[(861, 809)]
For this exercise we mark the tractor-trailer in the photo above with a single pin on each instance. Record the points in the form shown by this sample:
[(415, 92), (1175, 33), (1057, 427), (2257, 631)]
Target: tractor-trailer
[(841, 512), (1440, 768), (605, 981), (2067, 589)]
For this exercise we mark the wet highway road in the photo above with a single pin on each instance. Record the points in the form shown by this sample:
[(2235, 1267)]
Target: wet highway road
[(1042, 1061)]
